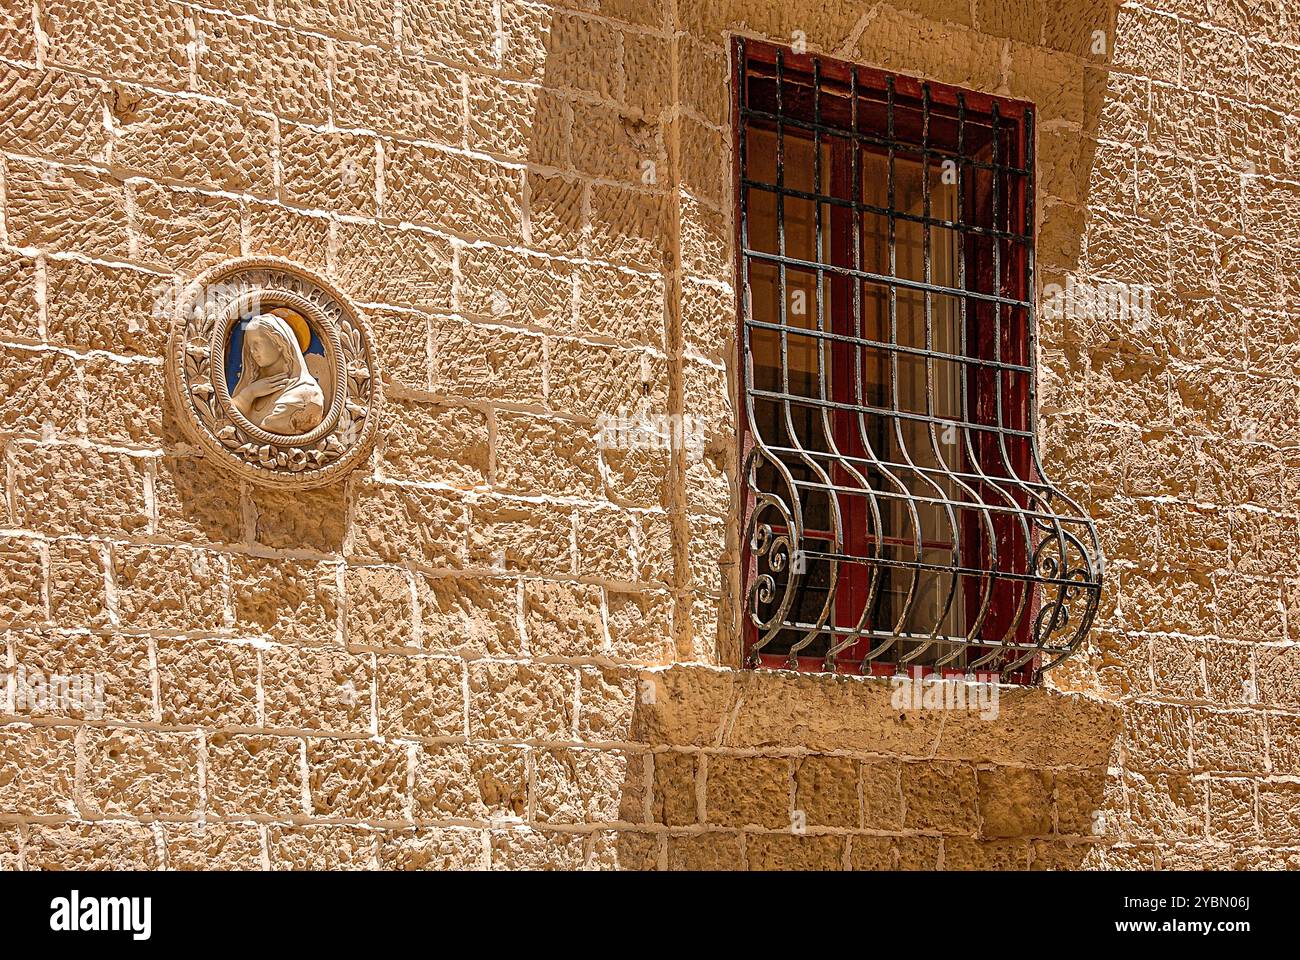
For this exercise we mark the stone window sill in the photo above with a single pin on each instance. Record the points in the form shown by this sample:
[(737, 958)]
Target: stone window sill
[(702, 706)]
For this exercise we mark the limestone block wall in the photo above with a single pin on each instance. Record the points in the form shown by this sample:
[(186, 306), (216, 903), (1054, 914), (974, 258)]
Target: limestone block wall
[(503, 644)]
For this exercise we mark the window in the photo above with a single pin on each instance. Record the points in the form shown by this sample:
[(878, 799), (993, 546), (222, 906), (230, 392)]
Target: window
[(895, 515)]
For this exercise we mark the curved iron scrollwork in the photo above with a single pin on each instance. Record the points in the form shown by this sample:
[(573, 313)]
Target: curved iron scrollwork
[(896, 510)]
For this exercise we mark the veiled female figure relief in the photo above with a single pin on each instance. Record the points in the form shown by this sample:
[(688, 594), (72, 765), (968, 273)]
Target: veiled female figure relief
[(276, 390)]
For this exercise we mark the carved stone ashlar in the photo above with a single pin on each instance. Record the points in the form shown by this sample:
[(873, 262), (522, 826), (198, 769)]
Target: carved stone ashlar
[(273, 373)]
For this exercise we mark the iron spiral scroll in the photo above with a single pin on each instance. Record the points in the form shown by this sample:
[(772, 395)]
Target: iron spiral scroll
[(1056, 591)]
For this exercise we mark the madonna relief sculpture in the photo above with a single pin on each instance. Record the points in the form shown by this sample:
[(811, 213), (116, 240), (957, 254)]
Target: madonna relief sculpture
[(276, 391), (272, 371)]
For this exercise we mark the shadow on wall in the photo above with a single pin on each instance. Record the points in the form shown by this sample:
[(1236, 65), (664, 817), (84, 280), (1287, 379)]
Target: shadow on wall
[(597, 183), (197, 500)]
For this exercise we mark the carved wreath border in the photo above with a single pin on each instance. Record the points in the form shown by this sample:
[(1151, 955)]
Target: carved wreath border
[(197, 376)]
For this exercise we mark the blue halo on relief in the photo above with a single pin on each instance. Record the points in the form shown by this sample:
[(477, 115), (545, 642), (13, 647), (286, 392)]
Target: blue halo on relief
[(235, 351)]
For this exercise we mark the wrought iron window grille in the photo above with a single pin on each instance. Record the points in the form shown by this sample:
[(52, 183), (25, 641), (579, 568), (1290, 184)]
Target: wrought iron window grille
[(895, 512)]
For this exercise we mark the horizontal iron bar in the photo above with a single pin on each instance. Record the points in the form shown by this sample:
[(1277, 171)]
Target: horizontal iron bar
[(957, 504), (952, 569), (918, 285), (831, 630), (901, 146), (861, 207), (870, 538), (871, 463), (887, 345), (880, 411)]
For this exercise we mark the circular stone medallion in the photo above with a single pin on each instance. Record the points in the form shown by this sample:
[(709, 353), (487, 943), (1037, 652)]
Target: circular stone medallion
[(273, 373)]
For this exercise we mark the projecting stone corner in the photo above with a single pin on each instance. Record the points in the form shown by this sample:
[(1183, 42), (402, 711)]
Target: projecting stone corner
[(1036, 727)]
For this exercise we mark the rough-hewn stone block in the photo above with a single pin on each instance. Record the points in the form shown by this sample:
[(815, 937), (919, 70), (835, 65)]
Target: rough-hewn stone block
[(137, 39)]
